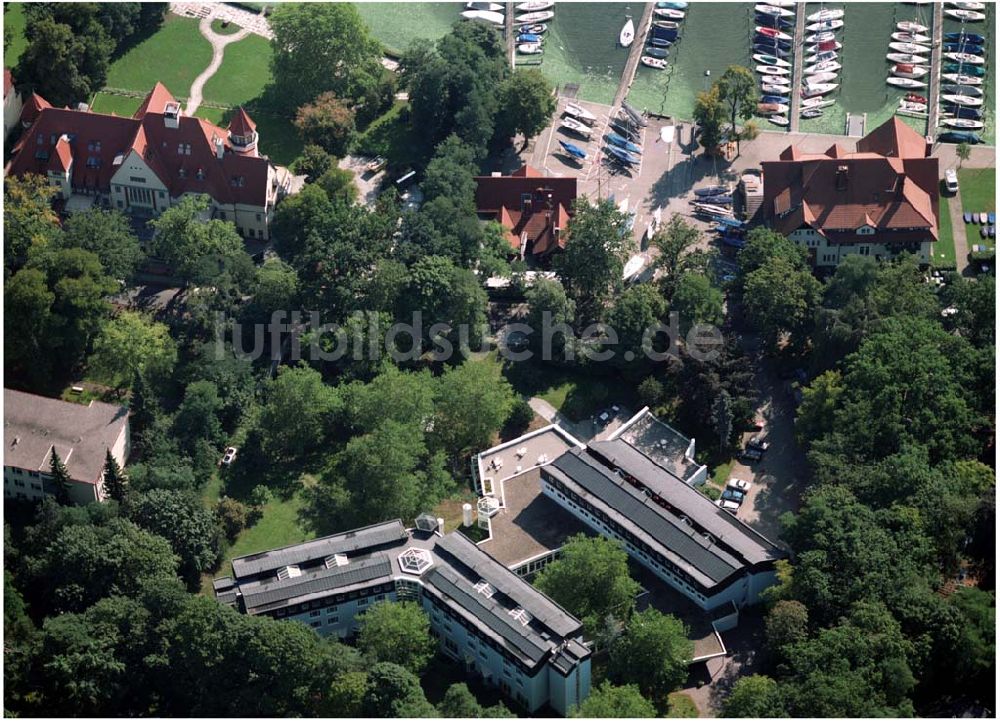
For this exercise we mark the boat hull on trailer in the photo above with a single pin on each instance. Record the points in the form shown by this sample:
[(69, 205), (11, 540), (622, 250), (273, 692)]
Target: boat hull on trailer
[(580, 113)]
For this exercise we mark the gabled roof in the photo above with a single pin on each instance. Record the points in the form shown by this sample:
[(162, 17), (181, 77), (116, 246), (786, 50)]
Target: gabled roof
[(32, 107), (241, 123), (62, 157), (887, 184), (183, 158), (894, 138), (8, 83), (155, 101), (81, 434)]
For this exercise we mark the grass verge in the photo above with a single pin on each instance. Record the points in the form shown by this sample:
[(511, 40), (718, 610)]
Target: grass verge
[(174, 56), (13, 20), (944, 248)]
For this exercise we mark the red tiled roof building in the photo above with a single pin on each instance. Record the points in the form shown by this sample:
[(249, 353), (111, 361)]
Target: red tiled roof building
[(144, 164), (879, 201), (532, 208)]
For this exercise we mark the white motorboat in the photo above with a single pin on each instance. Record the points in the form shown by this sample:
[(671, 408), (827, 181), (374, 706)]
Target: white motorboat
[(772, 70), (913, 107), (771, 60), (485, 16), (490, 7), (818, 78), (530, 48), (667, 24), (820, 38), (825, 25), (962, 79), (773, 33), (819, 57), (911, 113), (807, 113), (580, 113), (576, 126), (966, 58), (910, 26), (905, 82), (535, 17), (776, 89), (911, 38), (812, 91), (966, 16), (783, 3), (964, 100), (827, 66), (816, 102), (776, 80), (669, 13), (627, 35), (781, 120), (910, 48), (968, 5), (907, 58), (962, 123), (825, 14), (534, 6), (651, 62), (909, 71), (774, 11)]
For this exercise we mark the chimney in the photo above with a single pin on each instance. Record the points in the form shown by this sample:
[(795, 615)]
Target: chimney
[(171, 115), (900, 181), (220, 147), (841, 177)]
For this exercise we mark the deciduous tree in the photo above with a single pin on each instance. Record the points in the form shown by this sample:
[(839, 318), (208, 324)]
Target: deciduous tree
[(131, 343), (326, 121), (608, 701), (398, 633), (653, 653)]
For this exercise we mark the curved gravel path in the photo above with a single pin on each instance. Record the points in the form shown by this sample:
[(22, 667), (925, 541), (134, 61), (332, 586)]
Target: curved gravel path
[(219, 43)]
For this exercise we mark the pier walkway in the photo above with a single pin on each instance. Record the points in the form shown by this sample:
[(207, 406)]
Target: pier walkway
[(934, 79), (635, 52), (797, 45), (508, 24)]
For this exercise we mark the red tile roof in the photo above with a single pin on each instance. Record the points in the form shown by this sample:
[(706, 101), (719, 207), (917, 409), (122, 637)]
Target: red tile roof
[(97, 141), (8, 83), (62, 158), (241, 123), (889, 184), (526, 203)]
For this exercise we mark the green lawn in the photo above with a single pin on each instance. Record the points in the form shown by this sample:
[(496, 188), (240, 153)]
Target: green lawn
[(978, 187), (720, 474), (392, 137), (244, 73), (119, 104), (224, 29), (278, 526), (13, 19), (174, 56), (575, 395), (944, 248)]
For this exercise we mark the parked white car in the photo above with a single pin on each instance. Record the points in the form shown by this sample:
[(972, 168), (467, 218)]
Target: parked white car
[(951, 180), (229, 456), (731, 506), (739, 484)]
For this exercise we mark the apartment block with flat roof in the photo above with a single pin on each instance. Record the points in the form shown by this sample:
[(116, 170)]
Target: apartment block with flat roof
[(486, 617)]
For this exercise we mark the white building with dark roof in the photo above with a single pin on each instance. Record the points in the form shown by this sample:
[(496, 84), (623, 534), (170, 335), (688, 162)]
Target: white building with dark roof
[(80, 434), (633, 488), (486, 617)]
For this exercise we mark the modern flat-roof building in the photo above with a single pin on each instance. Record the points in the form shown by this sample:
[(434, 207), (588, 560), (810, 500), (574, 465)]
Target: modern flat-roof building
[(879, 201), (631, 492), (486, 617), (80, 434), (144, 164)]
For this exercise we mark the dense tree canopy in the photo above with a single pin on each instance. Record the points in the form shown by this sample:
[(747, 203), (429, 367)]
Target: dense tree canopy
[(398, 633)]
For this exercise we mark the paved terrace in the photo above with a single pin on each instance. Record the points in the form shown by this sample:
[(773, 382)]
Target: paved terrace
[(660, 443), (510, 459)]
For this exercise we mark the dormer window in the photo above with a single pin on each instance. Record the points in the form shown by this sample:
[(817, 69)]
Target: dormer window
[(866, 230)]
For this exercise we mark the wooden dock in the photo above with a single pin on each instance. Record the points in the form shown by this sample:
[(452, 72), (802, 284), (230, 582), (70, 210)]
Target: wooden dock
[(635, 52), (797, 45), (934, 78), (508, 25)]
